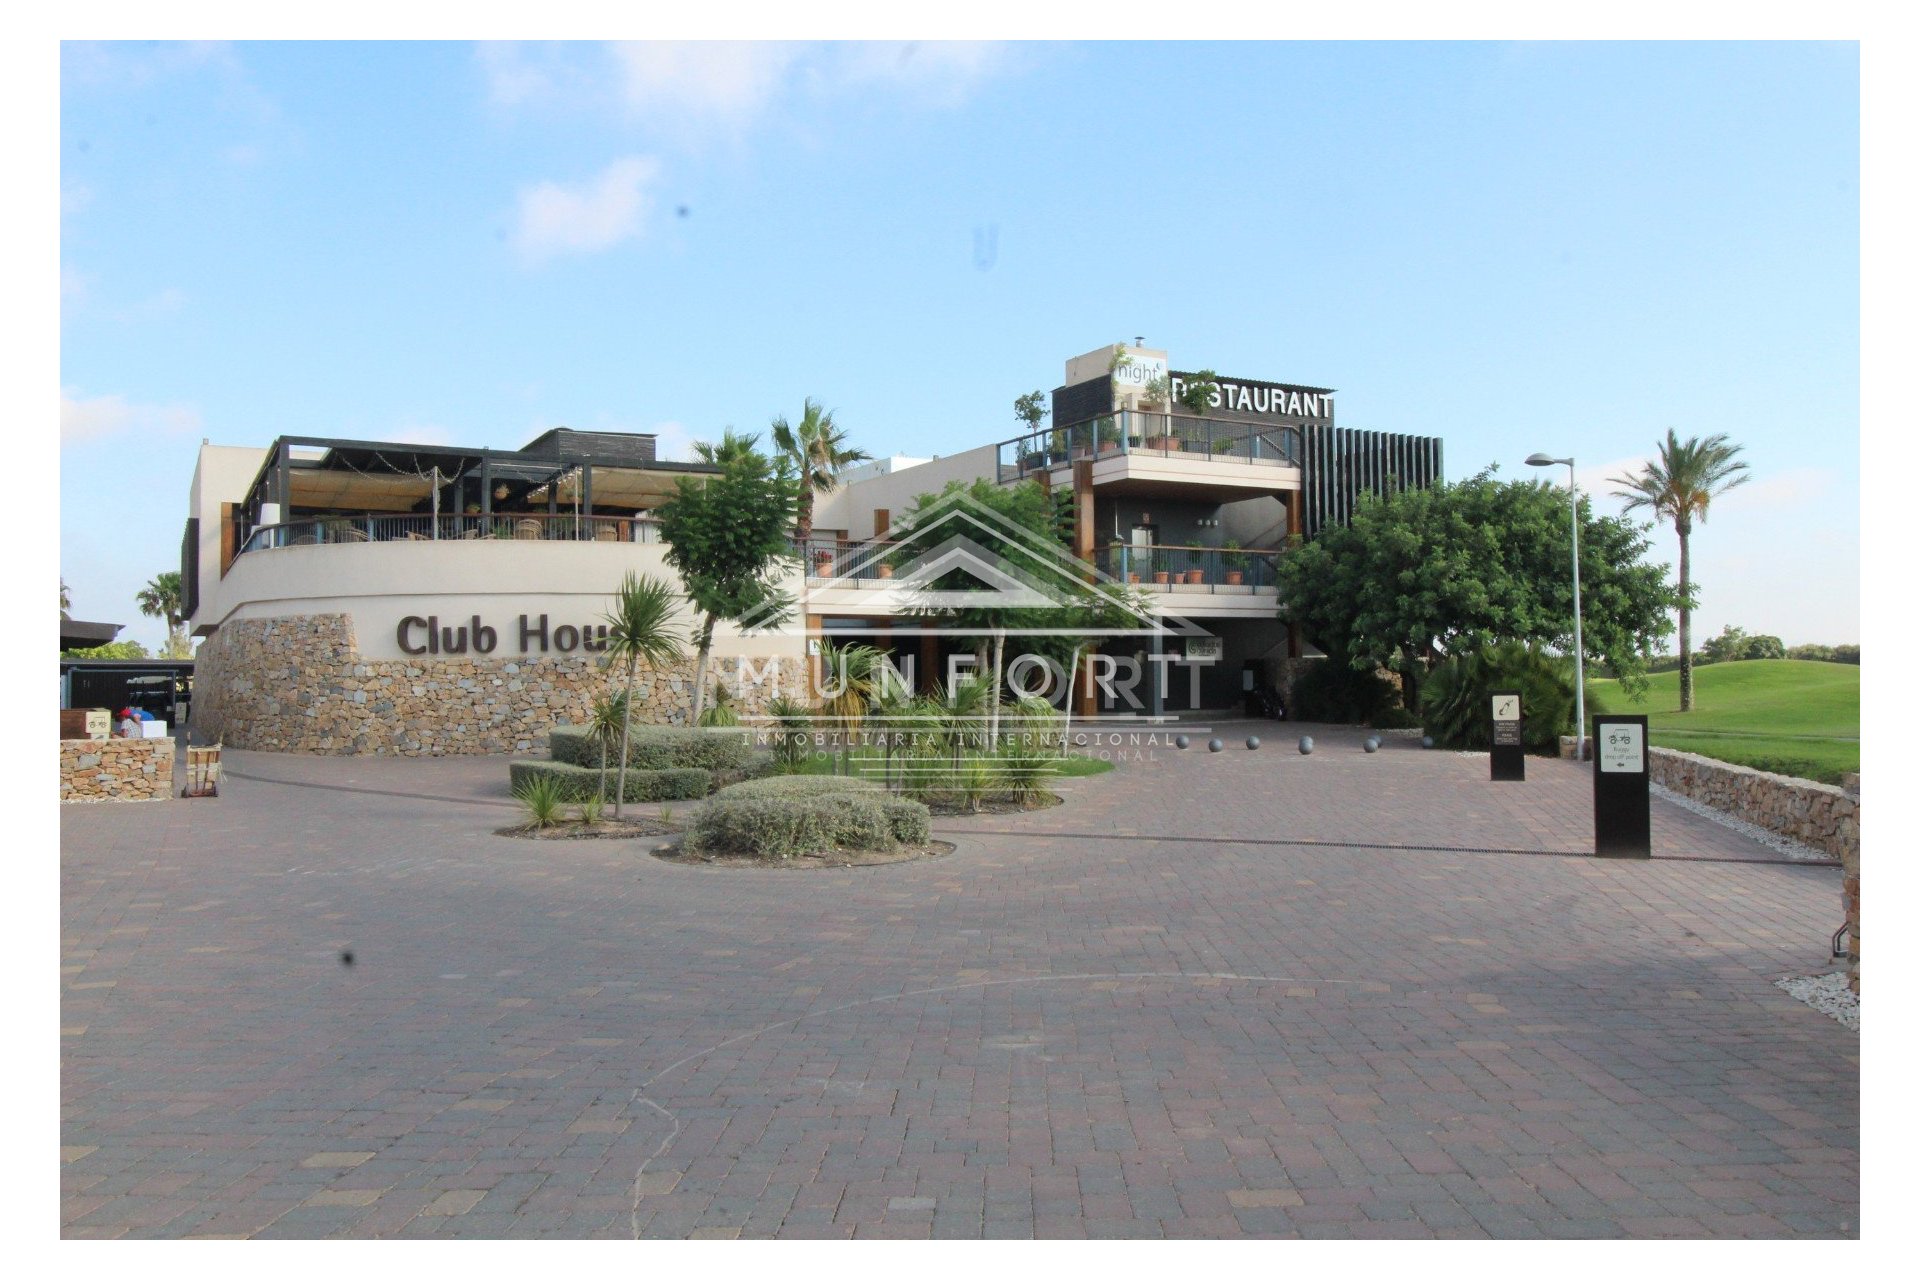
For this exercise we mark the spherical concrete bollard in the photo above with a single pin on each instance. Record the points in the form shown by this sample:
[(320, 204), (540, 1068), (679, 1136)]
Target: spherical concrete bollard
[(1372, 745), (1253, 744), (1306, 746), (1182, 742), (1215, 744), (1426, 743)]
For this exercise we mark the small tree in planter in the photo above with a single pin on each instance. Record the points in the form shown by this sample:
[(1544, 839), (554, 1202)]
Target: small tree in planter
[(1031, 410), (1235, 560), (1196, 395), (1109, 435)]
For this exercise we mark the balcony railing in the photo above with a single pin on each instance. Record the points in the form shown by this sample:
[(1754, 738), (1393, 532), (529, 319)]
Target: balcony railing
[(831, 558), (1161, 435), (1220, 570), (505, 526)]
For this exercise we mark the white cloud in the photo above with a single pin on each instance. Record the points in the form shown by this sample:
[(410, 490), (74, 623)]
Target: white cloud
[(674, 442), (596, 215), (683, 87), (136, 64), (728, 81), (943, 71), (90, 418)]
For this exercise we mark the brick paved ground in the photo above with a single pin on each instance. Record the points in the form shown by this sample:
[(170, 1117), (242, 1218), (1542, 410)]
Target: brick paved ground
[(1049, 1032)]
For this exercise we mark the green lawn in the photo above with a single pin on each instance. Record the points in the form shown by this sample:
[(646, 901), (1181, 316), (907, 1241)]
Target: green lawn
[(1796, 718)]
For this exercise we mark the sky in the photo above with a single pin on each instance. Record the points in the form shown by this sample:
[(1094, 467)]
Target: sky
[(1566, 247)]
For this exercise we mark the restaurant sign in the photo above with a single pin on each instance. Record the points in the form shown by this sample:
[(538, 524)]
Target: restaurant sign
[(1265, 399)]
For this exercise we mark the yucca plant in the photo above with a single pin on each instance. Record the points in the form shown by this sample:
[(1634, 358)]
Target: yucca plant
[(792, 723), (975, 779), (542, 800), (1023, 775), (640, 627), (721, 714), (606, 721), (592, 809), (854, 673)]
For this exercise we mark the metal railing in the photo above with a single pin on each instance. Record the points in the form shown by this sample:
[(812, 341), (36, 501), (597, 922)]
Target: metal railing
[(859, 561), (1219, 570), (1162, 435), (502, 526)]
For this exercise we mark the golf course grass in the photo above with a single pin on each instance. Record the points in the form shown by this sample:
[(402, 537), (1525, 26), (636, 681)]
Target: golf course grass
[(1797, 718)]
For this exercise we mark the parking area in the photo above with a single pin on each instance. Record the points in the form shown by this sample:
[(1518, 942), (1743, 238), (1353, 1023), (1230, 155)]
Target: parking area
[(1251, 993)]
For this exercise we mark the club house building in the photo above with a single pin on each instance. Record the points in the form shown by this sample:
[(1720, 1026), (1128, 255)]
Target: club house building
[(360, 597)]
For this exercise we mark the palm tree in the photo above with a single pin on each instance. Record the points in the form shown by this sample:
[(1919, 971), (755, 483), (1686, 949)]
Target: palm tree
[(606, 721), (640, 626), (732, 448), (1679, 487), (818, 450), (160, 598), (66, 600)]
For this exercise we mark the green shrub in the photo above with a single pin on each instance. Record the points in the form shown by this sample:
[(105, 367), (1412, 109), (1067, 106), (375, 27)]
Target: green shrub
[(577, 784), (655, 746), (1459, 691), (782, 822), (1331, 692), (592, 809), (540, 799), (1031, 724), (799, 784), (1023, 775)]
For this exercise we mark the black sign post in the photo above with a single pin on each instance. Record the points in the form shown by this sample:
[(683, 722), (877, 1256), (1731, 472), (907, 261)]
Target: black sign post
[(1622, 825), (1509, 746)]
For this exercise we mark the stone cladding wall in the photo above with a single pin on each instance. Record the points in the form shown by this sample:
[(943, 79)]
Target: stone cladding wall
[(300, 684), (1814, 813), (115, 769)]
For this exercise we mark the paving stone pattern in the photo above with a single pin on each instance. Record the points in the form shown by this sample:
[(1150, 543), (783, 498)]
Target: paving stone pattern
[(1046, 1033)]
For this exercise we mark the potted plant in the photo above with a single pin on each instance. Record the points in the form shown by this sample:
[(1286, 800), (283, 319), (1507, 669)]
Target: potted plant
[(1236, 561), (822, 562), (1109, 434), (1196, 576), (1226, 444), (1160, 577)]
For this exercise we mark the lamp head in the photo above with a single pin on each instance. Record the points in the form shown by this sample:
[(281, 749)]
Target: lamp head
[(1542, 460)]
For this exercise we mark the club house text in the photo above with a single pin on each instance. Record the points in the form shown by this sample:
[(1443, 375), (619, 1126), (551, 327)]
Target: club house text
[(426, 635)]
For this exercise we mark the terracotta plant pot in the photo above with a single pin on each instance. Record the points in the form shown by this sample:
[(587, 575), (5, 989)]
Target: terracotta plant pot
[(1133, 579), (1159, 577), (1233, 577), (1196, 576), (1110, 446), (886, 571)]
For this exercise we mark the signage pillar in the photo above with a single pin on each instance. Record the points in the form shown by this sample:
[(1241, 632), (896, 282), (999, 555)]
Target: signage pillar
[(1509, 746), (1622, 825)]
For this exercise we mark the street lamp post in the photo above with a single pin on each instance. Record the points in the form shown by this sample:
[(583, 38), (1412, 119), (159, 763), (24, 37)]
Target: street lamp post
[(1579, 653)]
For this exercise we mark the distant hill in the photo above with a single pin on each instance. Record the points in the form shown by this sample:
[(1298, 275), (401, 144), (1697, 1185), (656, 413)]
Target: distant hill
[(1796, 718)]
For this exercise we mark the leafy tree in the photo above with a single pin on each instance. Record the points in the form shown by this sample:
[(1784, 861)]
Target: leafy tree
[(1457, 567), (1196, 393), (727, 536), (1031, 409), (1728, 646), (1024, 536), (640, 628), (1679, 487), (118, 649), (818, 452), (1849, 653), (1764, 647), (66, 601), (160, 598)]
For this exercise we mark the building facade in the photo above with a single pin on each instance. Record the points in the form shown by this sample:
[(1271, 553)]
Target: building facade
[(389, 598)]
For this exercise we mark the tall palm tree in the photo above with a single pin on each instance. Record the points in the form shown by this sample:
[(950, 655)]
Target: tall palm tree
[(160, 598), (640, 626), (818, 450), (1679, 487)]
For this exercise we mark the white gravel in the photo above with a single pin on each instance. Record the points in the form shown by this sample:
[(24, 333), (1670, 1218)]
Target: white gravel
[(1773, 840), (1828, 993)]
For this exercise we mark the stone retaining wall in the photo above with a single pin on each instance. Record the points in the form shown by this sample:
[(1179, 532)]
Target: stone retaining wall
[(300, 684), (1816, 814), (115, 769)]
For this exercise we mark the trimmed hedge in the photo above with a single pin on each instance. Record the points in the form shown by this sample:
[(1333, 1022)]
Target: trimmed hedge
[(577, 784), (783, 817), (656, 746)]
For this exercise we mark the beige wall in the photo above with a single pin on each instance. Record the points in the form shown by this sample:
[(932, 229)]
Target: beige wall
[(851, 506), (377, 584), (221, 474)]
